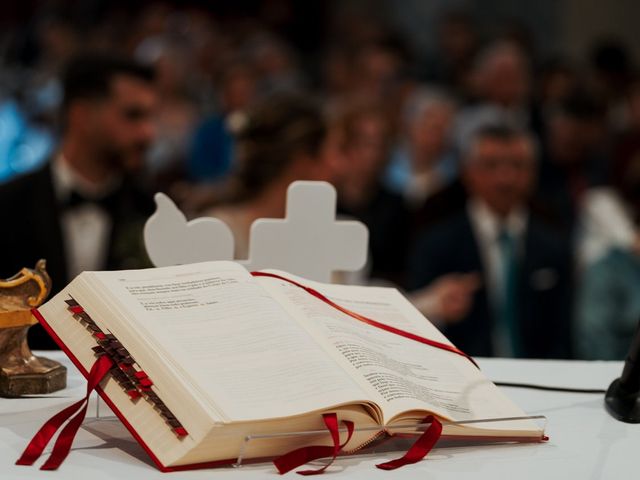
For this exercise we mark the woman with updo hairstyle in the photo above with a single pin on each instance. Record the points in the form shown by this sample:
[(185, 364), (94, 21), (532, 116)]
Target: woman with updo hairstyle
[(280, 141)]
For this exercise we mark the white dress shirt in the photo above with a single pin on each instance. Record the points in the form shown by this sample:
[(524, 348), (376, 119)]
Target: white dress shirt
[(487, 227), (86, 228)]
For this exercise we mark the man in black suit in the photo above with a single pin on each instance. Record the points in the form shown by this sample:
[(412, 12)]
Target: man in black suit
[(522, 308), (82, 210)]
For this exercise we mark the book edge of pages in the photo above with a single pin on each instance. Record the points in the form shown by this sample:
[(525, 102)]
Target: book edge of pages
[(121, 417)]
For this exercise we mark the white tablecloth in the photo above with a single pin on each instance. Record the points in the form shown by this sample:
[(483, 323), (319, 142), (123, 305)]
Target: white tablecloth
[(585, 443)]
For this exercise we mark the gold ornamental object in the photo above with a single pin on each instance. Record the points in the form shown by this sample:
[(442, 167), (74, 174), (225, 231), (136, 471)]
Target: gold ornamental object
[(21, 372)]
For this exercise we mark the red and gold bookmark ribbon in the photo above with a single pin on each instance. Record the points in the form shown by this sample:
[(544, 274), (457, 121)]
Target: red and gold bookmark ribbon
[(369, 321), (78, 411), (300, 456)]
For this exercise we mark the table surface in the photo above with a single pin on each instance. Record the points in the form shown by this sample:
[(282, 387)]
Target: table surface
[(585, 442)]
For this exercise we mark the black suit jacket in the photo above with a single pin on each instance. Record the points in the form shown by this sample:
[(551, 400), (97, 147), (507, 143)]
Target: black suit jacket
[(31, 229), (544, 286), (388, 221)]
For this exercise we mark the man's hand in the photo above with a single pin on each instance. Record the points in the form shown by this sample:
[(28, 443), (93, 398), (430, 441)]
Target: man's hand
[(447, 299)]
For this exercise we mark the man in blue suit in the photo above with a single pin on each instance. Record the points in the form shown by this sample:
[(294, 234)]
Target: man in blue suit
[(523, 307)]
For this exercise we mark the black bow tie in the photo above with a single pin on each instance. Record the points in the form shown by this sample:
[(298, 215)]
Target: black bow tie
[(76, 199)]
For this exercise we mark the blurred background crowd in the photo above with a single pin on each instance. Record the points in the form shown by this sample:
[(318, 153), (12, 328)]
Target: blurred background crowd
[(496, 166)]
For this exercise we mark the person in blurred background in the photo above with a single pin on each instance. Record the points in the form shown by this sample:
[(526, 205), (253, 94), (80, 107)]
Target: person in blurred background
[(608, 305), (82, 211), (457, 44), (211, 152), (522, 308), (608, 78), (501, 84), (574, 159), (176, 115), (607, 210), (425, 161), (626, 145), (375, 72), (424, 164), (281, 141), (361, 135), (608, 297), (556, 80), (274, 63)]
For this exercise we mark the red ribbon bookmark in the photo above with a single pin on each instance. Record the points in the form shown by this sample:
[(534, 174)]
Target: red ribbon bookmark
[(78, 411), (369, 321), (300, 456), (418, 450)]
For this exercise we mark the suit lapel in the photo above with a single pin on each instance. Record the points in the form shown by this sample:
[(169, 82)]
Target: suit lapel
[(482, 309), (47, 229)]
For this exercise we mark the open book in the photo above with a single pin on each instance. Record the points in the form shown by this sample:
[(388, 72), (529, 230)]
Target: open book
[(226, 354)]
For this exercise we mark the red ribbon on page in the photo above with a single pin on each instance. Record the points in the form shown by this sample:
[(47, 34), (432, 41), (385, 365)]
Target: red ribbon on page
[(78, 411), (369, 321), (300, 456), (422, 445)]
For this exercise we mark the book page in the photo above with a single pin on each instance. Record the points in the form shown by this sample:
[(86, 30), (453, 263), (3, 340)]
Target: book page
[(403, 375), (234, 344)]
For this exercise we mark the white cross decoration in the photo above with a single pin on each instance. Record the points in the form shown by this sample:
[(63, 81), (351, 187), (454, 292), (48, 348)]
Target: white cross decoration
[(308, 242)]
